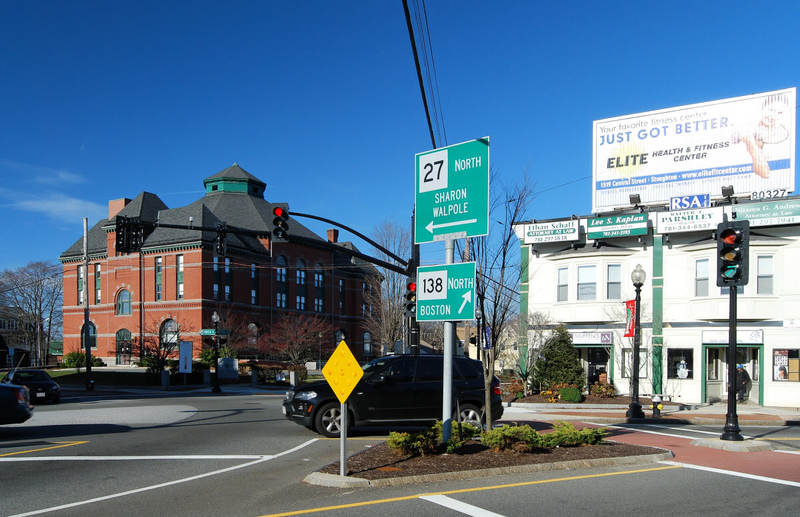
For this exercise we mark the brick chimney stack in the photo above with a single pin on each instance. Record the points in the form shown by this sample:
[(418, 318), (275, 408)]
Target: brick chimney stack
[(333, 235), (115, 205)]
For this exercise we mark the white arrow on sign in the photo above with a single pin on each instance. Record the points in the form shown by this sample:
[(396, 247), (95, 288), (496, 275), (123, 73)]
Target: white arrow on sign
[(467, 298), (432, 226)]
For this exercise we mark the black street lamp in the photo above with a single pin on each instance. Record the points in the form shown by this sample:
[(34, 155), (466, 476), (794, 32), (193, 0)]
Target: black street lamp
[(635, 409), (215, 319)]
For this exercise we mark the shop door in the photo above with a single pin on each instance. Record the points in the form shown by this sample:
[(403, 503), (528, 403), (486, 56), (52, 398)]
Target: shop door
[(716, 374), (598, 365), (748, 356)]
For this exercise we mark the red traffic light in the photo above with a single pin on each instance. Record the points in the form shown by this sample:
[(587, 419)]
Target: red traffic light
[(730, 236), (279, 211), (412, 286)]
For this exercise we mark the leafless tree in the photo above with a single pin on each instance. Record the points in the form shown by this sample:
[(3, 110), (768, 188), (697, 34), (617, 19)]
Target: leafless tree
[(35, 293), (497, 263), (296, 337), (161, 342), (539, 329), (386, 295)]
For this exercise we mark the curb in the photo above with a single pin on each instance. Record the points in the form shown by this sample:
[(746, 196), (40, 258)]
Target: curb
[(335, 481)]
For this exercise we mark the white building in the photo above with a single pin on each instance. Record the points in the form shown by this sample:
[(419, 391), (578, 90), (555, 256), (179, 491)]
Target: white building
[(583, 279)]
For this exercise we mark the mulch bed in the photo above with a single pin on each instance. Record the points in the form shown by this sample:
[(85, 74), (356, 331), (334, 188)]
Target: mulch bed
[(379, 462), (589, 399)]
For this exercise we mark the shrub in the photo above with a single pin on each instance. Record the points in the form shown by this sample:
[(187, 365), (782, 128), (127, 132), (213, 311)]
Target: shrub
[(559, 362), (603, 389), (75, 360), (570, 395), (516, 388), (522, 438), (422, 442), (468, 432), (564, 434)]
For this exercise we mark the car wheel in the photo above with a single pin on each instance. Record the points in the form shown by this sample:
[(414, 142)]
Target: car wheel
[(472, 415), (328, 421)]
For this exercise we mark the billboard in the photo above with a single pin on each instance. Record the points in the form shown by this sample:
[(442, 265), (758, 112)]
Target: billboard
[(747, 142)]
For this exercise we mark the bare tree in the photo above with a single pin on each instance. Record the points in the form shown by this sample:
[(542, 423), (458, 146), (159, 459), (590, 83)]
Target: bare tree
[(539, 329), (297, 337), (35, 292), (160, 343), (498, 271), (385, 325)]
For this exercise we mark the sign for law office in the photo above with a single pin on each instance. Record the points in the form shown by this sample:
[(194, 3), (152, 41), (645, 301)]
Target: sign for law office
[(551, 232)]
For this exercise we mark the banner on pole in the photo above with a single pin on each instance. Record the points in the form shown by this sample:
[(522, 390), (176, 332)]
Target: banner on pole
[(630, 309)]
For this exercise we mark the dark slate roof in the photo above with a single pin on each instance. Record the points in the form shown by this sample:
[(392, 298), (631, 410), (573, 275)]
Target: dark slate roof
[(235, 172)]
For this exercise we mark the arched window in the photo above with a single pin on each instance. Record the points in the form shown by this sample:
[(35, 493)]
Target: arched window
[(89, 332), (340, 335), (169, 334), (280, 272), (367, 343), (123, 303), (123, 346)]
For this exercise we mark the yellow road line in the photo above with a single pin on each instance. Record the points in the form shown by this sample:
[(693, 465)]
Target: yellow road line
[(464, 490), (63, 444)]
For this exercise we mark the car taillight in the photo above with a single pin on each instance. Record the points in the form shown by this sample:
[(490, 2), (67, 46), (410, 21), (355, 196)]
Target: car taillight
[(22, 396), (496, 390)]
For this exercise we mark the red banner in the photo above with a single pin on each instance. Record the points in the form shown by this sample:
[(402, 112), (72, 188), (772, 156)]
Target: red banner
[(630, 308)]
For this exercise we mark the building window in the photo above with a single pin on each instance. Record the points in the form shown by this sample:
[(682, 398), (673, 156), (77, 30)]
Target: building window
[(786, 365), (81, 279), (169, 335), (97, 284), (319, 305), (627, 363), (764, 282), (563, 288), (179, 278), (227, 293), (680, 363), (123, 305), (701, 277), (301, 302), (280, 272), (301, 273), (216, 292), (159, 267), (341, 297), (253, 284), (280, 301), (367, 343), (587, 283), (89, 332), (216, 263), (319, 279), (253, 297), (614, 282), (123, 339)]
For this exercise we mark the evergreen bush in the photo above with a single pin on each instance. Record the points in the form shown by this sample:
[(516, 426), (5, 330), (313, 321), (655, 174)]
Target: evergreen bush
[(558, 362), (570, 395)]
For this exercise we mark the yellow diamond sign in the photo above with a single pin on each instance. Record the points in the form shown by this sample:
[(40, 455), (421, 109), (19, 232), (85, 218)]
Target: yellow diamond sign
[(342, 372)]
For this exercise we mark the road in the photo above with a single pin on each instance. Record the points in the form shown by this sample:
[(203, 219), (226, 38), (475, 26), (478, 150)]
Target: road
[(199, 454)]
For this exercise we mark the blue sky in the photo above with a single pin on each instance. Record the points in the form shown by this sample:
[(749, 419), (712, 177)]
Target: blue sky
[(102, 100)]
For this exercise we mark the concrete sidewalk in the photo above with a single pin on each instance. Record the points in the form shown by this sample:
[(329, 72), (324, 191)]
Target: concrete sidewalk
[(700, 414)]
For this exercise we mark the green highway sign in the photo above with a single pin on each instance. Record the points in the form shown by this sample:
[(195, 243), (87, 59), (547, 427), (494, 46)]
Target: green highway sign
[(207, 332), (446, 293), (452, 192)]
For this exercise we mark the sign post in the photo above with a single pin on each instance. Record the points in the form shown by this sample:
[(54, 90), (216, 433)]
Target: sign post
[(342, 372)]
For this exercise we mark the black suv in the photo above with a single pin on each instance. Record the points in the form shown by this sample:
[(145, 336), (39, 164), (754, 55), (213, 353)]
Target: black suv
[(395, 389)]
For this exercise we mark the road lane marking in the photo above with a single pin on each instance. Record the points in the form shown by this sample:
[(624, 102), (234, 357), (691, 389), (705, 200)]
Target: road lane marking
[(62, 444), (464, 491), (169, 483), (453, 504), (732, 473), (136, 458)]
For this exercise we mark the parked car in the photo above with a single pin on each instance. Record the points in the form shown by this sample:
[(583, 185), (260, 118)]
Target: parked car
[(39, 382), (15, 406), (395, 389)]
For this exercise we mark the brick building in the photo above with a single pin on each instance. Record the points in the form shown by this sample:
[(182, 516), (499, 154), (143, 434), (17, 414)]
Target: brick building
[(171, 288)]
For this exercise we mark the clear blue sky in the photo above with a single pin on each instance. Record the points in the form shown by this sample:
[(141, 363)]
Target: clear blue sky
[(102, 100)]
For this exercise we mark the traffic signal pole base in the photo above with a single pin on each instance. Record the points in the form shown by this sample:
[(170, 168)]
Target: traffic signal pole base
[(634, 411)]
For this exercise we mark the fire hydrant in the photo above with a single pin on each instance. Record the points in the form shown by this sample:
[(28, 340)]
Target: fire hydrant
[(657, 406)]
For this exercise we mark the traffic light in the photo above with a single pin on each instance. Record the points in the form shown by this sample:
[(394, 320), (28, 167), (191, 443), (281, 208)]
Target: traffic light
[(280, 223), (733, 239), (123, 232), (410, 298), (220, 245)]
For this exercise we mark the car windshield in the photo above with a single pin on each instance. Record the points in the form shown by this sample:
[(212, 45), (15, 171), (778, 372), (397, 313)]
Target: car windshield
[(31, 376), (375, 365)]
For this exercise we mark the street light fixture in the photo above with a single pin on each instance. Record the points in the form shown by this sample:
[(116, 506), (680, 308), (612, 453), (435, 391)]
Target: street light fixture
[(215, 319), (638, 277)]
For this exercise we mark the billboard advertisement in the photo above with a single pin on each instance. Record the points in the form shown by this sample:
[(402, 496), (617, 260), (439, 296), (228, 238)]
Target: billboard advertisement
[(747, 142)]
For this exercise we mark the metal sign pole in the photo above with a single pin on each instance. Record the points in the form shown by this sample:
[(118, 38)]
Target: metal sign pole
[(343, 440)]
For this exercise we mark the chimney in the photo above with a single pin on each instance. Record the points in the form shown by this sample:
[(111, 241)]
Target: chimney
[(115, 205), (333, 235)]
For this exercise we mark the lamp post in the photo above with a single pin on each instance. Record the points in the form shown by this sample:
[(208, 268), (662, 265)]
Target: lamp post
[(215, 319), (637, 277)]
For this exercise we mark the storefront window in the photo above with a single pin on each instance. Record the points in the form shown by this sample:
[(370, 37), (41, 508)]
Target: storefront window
[(680, 363), (627, 363), (786, 365)]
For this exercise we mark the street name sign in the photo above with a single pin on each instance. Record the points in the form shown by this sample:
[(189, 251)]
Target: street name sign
[(452, 192), (206, 332), (446, 292)]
